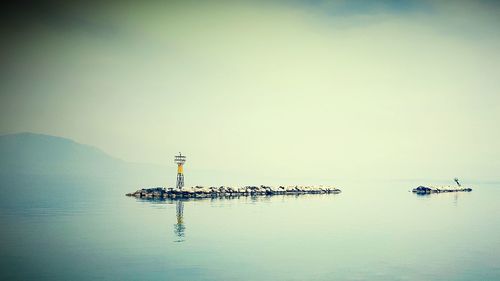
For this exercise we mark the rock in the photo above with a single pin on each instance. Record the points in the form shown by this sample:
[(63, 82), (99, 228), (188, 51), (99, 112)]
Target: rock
[(227, 191), (439, 189)]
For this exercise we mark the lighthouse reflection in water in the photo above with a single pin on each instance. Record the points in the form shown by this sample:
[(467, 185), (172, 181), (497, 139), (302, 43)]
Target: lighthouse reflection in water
[(179, 227)]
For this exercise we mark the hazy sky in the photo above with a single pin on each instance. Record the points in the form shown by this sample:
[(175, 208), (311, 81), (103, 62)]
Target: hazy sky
[(288, 89)]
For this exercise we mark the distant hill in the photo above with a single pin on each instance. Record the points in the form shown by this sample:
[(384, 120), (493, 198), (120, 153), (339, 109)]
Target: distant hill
[(28, 153), (44, 155)]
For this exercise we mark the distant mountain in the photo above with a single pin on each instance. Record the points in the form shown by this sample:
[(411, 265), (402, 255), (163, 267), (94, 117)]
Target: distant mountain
[(44, 155), (28, 153)]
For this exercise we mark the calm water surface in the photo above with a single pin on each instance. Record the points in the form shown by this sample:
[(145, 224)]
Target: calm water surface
[(83, 230)]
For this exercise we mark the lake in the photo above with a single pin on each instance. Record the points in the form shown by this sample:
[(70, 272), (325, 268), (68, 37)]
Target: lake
[(89, 230)]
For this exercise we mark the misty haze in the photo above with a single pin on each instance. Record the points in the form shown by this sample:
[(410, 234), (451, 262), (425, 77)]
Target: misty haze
[(250, 140)]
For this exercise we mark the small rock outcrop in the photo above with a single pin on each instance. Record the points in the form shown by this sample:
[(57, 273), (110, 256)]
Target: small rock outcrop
[(440, 189), (227, 191)]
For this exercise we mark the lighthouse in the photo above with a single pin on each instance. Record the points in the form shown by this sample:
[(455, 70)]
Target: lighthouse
[(180, 160)]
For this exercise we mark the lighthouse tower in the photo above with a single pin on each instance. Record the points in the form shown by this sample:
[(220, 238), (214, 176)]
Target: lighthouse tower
[(180, 160)]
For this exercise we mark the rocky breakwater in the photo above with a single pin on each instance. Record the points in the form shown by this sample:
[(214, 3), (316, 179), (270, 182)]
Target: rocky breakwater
[(226, 191), (440, 189)]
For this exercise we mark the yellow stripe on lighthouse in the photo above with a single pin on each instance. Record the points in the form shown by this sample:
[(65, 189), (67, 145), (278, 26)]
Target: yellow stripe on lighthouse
[(180, 160)]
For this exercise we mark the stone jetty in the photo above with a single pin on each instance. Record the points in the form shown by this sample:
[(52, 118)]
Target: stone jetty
[(226, 191), (440, 189)]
